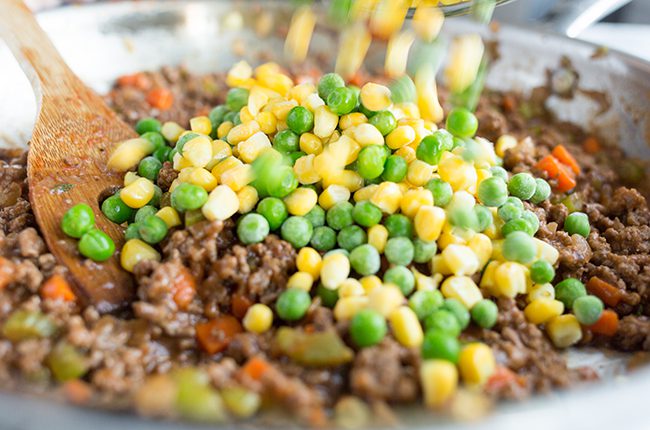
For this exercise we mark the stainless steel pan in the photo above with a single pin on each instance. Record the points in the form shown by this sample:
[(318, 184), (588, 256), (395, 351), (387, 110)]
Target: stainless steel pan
[(103, 41)]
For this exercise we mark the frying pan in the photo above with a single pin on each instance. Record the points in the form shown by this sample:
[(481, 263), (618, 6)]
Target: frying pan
[(103, 41)]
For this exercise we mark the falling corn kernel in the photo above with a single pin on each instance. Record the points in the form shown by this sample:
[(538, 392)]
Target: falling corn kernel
[(301, 29)]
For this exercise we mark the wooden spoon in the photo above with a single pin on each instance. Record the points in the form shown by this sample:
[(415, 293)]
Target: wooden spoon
[(74, 135)]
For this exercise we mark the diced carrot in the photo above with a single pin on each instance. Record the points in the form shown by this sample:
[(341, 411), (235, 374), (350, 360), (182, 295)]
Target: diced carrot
[(137, 80), (184, 288), (509, 103), (606, 325), (591, 145), (608, 293), (57, 288), (160, 98), (240, 305), (501, 378), (215, 335), (565, 157), (550, 165), (6, 272), (77, 392), (255, 367), (565, 179)]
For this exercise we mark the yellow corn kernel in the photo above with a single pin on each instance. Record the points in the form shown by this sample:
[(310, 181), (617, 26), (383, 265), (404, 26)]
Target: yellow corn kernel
[(460, 174), (406, 327), (224, 128), (220, 151), (375, 97), (267, 122), (546, 251), (460, 259), (325, 122), (482, 247), (129, 153), (238, 177), (312, 102), (387, 17), (179, 162), (334, 137), (301, 280), (268, 68), (355, 41), (365, 193), (225, 165), (427, 283), (413, 199), (487, 279), (333, 195), (305, 171), (248, 198), (257, 99), (201, 124), (334, 270), (481, 175), (385, 299), (326, 164), (428, 222), (378, 236), (466, 53), (310, 143), (419, 173), (175, 183), (138, 193), (130, 177), (447, 238), (510, 279), (497, 250), (540, 311), (476, 363), (222, 204), (397, 53), (242, 132), (351, 287), (427, 22), (258, 318), (439, 266), (251, 148), (564, 330), (239, 74), (439, 380), (301, 201), (402, 135), (370, 283), (201, 177), (245, 114), (541, 291), (296, 43), (135, 251), (347, 307), (504, 143), (198, 151), (301, 91), (347, 178), (309, 260), (463, 289), (427, 91), (170, 216), (276, 82), (387, 197), (366, 134), (345, 150), (171, 131), (407, 153), (352, 120), (280, 109)]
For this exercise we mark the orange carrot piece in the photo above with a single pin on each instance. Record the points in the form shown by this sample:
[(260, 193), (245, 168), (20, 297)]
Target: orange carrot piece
[(591, 145), (240, 305), (550, 165), (57, 288), (160, 98), (215, 335), (501, 378), (255, 367), (608, 293), (6, 272), (606, 325), (137, 80), (77, 392), (565, 179), (184, 288), (565, 157), (509, 103)]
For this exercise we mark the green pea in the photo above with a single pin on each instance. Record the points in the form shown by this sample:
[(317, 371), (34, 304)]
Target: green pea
[(402, 277), (440, 345), (144, 212), (365, 260), (424, 251), (156, 138), (339, 216), (157, 196), (499, 172), (328, 298), (147, 124), (395, 169), (286, 141), (78, 220), (292, 304), (509, 211), (461, 122), (542, 272), (237, 98), (442, 320), (152, 229), (493, 191), (131, 232), (323, 239), (300, 120), (568, 290), (522, 185), (316, 216), (367, 328), (577, 223), (532, 221), (366, 214), (329, 83), (441, 191), (187, 197), (399, 225), (351, 236), (459, 310), (483, 217), (282, 182), (425, 302), (518, 224), (96, 245), (431, 147), (485, 313), (370, 162), (274, 210), (162, 153), (520, 247), (463, 217), (252, 228), (399, 250), (297, 231), (293, 156), (116, 210), (149, 168), (542, 191), (384, 121), (588, 309), (217, 115), (403, 90), (342, 100)]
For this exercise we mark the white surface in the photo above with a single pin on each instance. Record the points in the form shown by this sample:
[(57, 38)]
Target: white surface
[(633, 39)]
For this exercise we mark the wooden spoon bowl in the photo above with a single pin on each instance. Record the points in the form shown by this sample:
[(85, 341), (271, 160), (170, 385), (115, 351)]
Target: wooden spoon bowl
[(74, 135)]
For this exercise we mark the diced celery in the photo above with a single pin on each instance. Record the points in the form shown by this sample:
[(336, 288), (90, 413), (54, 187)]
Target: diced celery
[(241, 402), (66, 362), (313, 349), (22, 325)]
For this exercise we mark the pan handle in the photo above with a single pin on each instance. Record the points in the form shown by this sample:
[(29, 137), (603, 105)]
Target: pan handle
[(572, 17)]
